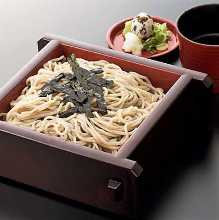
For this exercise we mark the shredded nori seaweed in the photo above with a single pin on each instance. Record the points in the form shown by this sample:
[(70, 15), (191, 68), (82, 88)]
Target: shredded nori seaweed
[(79, 87)]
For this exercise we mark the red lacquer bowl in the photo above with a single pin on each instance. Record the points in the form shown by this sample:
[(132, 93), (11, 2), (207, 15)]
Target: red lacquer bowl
[(115, 39), (197, 22)]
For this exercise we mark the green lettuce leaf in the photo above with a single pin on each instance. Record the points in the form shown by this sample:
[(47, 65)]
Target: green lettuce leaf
[(159, 38)]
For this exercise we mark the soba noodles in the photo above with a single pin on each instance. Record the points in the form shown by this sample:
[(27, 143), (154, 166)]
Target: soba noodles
[(129, 101)]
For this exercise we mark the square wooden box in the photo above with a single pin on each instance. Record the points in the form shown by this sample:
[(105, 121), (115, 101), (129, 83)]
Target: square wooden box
[(114, 183)]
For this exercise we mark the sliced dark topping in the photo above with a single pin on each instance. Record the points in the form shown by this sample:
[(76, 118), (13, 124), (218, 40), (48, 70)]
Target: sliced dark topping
[(68, 112), (79, 87), (46, 90), (97, 70)]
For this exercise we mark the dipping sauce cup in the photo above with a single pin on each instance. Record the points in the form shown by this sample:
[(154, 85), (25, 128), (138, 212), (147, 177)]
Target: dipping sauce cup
[(198, 33)]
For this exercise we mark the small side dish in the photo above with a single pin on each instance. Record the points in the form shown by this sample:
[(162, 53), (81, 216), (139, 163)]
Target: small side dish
[(142, 33)]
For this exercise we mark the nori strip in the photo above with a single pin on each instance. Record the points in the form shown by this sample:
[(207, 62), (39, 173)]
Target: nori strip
[(68, 112), (97, 70), (46, 90), (79, 87)]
